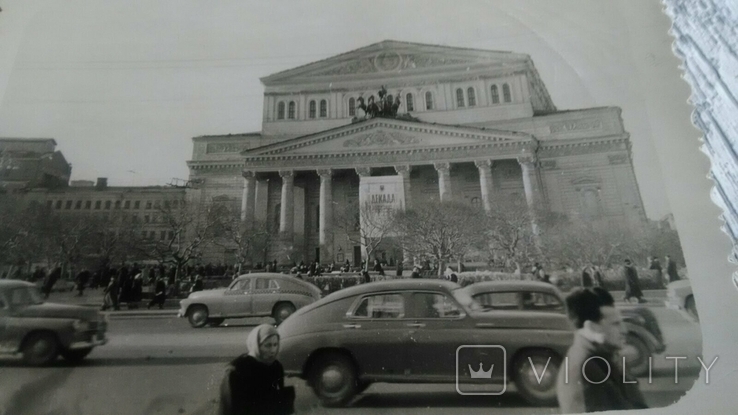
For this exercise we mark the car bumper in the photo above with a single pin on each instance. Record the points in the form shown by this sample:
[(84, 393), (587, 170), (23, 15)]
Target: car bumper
[(98, 339)]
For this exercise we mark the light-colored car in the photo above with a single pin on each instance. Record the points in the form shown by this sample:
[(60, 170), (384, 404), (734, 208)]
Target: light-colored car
[(249, 295), (679, 296), (411, 331), (42, 331)]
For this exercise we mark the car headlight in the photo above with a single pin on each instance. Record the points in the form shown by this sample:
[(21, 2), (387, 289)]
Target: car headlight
[(81, 325)]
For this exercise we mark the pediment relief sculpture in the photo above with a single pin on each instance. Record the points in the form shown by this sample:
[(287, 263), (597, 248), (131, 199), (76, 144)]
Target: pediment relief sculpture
[(388, 61), (382, 138)]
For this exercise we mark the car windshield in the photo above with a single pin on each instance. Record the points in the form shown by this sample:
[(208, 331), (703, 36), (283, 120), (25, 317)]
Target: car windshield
[(24, 296), (466, 300)]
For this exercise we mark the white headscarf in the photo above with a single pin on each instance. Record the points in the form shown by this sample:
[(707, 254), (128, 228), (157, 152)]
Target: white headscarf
[(257, 337)]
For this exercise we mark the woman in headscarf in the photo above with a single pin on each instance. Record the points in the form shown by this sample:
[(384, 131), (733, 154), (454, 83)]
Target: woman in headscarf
[(254, 382)]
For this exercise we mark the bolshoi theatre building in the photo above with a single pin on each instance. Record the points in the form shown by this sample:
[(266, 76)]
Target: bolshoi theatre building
[(471, 126)]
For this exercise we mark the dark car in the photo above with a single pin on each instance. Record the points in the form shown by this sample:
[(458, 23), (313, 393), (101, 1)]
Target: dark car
[(644, 338), (42, 331), (410, 331)]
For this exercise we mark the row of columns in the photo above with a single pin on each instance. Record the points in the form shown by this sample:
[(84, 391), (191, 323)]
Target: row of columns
[(286, 220)]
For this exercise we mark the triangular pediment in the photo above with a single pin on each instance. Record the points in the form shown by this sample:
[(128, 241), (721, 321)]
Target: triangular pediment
[(393, 57), (381, 135)]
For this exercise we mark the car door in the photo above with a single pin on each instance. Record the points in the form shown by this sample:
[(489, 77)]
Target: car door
[(438, 326), (4, 316), (375, 332), (237, 299), (264, 295)]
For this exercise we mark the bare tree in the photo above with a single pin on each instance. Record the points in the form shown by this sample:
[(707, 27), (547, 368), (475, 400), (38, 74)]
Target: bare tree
[(251, 240), (508, 231), (440, 231), (369, 225), (114, 237)]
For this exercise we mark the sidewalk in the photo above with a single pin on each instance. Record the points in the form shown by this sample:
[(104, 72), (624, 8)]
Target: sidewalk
[(94, 298)]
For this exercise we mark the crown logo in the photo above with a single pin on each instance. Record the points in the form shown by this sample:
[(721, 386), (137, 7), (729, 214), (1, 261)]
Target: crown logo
[(481, 374)]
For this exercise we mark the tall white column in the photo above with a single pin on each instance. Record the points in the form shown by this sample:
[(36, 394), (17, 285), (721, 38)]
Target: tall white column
[(287, 209), (249, 193), (404, 171), (485, 182), (444, 180), (532, 189), (363, 172), (326, 216)]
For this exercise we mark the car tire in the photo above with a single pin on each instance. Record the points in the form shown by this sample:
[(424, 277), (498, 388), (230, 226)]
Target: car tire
[(198, 316), (636, 354), (282, 311), (215, 322), (538, 394), (334, 380), (40, 349), (76, 355), (691, 308)]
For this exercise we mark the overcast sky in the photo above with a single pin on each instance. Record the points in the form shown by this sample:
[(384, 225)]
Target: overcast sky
[(123, 86)]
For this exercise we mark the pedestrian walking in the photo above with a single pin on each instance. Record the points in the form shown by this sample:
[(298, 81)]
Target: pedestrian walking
[(632, 284), (655, 265), (254, 382), (198, 285), (378, 267), (587, 277), (598, 280), (593, 379), (50, 280), (82, 279), (367, 278), (671, 269), (400, 269), (111, 294), (160, 294)]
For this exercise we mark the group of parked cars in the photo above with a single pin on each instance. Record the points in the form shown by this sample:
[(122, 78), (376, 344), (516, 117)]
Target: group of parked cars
[(409, 330)]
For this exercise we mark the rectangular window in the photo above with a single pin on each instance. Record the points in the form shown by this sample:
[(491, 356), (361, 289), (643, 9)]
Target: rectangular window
[(170, 235), (68, 205), (97, 204), (127, 204), (146, 219), (381, 306), (148, 204), (163, 235), (157, 204), (78, 205), (167, 204), (117, 204), (88, 204), (108, 203), (152, 235), (49, 204), (137, 204)]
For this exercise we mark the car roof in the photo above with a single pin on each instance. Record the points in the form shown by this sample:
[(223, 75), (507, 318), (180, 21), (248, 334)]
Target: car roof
[(275, 275), (14, 284), (398, 284), (511, 286)]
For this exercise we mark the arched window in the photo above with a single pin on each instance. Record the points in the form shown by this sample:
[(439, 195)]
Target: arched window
[(495, 94), (312, 109), (409, 104), (506, 93), (429, 100), (323, 108), (291, 110), (459, 97), (280, 111), (475, 202), (352, 107), (472, 97)]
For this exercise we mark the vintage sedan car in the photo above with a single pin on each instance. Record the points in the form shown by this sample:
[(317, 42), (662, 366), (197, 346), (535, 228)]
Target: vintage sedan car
[(249, 295), (42, 331), (409, 331), (644, 336), (679, 297)]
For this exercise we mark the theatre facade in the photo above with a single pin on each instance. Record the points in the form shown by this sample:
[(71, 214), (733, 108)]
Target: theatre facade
[(472, 126)]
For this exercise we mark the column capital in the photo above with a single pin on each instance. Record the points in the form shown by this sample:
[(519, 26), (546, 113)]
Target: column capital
[(287, 174), (442, 166), (526, 160), (325, 173), (364, 171), (484, 164), (248, 174), (404, 170)]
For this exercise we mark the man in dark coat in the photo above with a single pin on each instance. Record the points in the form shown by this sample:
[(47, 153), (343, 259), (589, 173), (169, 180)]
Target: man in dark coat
[(587, 277), (400, 269), (416, 272), (655, 265), (632, 284), (593, 378), (111, 294), (50, 280), (671, 269), (198, 285), (160, 294), (378, 267), (82, 279)]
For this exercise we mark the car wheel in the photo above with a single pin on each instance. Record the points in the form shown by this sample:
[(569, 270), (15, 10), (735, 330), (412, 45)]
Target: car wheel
[(546, 364), (691, 307), (215, 322), (76, 355), (198, 316), (334, 380), (636, 354), (40, 349), (282, 311)]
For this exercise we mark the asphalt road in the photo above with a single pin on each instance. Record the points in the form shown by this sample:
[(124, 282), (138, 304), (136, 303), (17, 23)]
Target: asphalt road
[(159, 365)]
